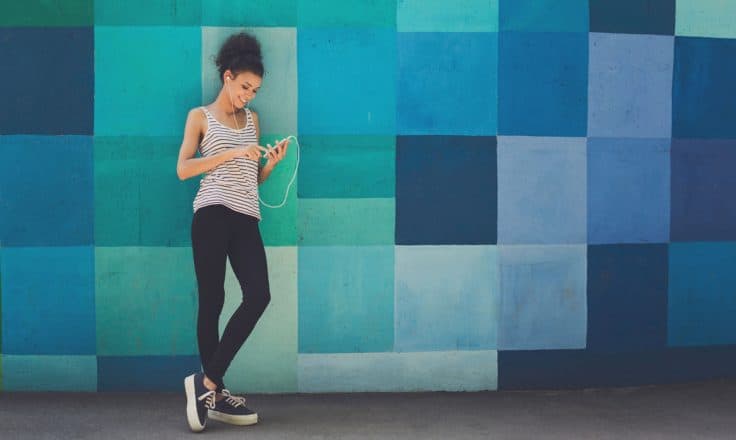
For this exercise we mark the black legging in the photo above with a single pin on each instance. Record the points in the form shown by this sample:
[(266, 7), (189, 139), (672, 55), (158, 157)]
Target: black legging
[(219, 232)]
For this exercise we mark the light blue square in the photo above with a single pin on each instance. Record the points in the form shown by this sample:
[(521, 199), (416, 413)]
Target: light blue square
[(146, 79), (347, 81), (48, 301), (543, 297), (275, 102), (628, 190), (444, 16), (346, 299), (447, 83), (541, 190), (447, 298), (630, 85)]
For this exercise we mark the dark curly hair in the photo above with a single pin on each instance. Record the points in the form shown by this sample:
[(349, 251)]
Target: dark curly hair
[(240, 53)]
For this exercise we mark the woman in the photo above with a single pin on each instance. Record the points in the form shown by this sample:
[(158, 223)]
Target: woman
[(225, 224)]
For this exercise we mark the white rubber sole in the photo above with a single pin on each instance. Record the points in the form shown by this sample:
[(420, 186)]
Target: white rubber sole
[(192, 416), (251, 419)]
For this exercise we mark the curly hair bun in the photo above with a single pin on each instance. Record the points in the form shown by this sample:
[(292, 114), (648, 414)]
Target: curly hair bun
[(240, 52)]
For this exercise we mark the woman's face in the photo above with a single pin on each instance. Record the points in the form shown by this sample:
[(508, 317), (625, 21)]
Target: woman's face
[(243, 87)]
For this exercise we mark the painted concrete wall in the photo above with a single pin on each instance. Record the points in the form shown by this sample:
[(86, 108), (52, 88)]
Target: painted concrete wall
[(493, 194)]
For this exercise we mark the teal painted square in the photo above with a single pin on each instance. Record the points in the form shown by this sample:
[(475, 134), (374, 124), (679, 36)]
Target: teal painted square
[(701, 303), (543, 297), (347, 167), (49, 373), (544, 15), (349, 14), (346, 299), (47, 13), (146, 79), (444, 16), (276, 101), (267, 362), (249, 13), (447, 298), (346, 221), (146, 301), (279, 225), (148, 12), (705, 18), (139, 201), (347, 81), (48, 300)]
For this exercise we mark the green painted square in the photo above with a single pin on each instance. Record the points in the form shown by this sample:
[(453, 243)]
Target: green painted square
[(347, 13), (267, 362), (146, 79), (249, 13), (706, 18), (444, 16), (146, 301), (348, 167), (148, 12), (544, 15), (276, 102), (49, 373), (46, 13), (139, 200), (278, 225), (346, 221)]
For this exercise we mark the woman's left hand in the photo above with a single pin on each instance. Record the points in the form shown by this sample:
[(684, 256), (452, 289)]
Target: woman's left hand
[(276, 153)]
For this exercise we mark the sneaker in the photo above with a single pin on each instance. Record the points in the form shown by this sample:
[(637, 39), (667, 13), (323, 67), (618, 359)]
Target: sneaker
[(199, 400), (232, 410)]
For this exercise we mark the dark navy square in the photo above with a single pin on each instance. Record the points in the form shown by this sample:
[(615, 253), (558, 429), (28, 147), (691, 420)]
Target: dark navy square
[(47, 80), (446, 190), (633, 16), (627, 297), (703, 182)]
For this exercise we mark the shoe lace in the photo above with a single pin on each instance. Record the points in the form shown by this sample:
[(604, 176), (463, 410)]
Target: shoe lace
[(235, 401), (210, 399)]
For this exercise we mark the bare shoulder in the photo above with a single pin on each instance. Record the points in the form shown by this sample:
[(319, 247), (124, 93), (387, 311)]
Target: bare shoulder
[(255, 116), (197, 120)]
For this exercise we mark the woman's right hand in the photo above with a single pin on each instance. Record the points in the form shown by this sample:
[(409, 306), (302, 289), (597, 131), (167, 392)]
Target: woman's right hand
[(252, 152)]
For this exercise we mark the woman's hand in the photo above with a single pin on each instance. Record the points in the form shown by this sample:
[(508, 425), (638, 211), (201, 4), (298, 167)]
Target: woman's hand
[(276, 153), (252, 152)]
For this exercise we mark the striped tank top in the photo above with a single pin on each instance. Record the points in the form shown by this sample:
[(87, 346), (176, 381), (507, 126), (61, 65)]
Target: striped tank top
[(233, 183)]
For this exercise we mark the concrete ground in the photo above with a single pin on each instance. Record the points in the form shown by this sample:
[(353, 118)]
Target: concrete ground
[(690, 411)]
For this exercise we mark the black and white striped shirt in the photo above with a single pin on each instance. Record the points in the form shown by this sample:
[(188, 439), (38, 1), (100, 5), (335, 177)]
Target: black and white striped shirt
[(233, 183)]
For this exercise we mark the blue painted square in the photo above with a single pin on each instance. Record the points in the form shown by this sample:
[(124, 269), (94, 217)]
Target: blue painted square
[(447, 298), (350, 307), (162, 373), (541, 190), (47, 80), (633, 16), (51, 205), (628, 190), (543, 290), (347, 81), (703, 182), (627, 297), (704, 89), (543, 84), (48, 300), (586, 369), (447, 83), (701, 301), (630, 85), (445, 190), (543, 15), (140, 70)]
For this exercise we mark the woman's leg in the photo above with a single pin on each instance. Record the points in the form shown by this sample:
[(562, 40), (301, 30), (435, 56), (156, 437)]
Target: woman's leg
[(210, 237), (248, 260)]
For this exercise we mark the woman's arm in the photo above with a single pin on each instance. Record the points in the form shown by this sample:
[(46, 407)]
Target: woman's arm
[(187, 166), (263, 170)]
